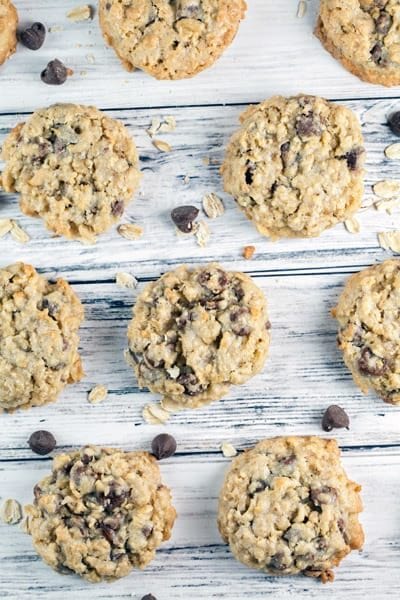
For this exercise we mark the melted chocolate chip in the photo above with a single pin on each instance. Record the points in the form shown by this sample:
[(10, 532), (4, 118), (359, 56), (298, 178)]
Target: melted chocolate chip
[(277, 562), (163, 446), (335, 418), (33, 37), (377, 53), (323, 495), (383, 23), (55, 73), (249, 173), (183, 217), (117, 208), (42, 442), (307, 125), (352, 158), (371, 364)]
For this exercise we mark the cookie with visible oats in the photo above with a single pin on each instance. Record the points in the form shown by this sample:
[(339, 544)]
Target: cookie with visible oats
[(39, 323), (288, 508), (74, 167), (8, 29), (100, 513), (170, 40), (369, 329), (364, 36), (195, 332), (295, 165)]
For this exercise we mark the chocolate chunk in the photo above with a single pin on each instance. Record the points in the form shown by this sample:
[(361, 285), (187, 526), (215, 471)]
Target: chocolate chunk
[(51, 307), (149, 597), (307, 125), (323, 495), (394, 122), (190, 382), (114, 499), (249, 173), (370, 364), (383, 23), (109, 533), (42, 442), (335, 418), (277, 562), (377, 53), (163, 446), (284, 152), (183, 217), (188, 9), (55, 73), (117, 208), (352, 158), (33, 37)]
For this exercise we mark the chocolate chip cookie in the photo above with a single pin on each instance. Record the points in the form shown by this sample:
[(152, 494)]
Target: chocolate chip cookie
[(8, 29), (100, 513), (364, 36), (369, 329), (39, 324), (74, 167), (295, 166), (170, 39), (288, 508), (195, 332)]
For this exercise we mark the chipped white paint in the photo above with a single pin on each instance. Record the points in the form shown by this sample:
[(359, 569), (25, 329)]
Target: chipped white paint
[(274, 52)]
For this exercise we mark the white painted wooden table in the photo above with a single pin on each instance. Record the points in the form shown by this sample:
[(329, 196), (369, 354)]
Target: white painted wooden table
[(274, 52)]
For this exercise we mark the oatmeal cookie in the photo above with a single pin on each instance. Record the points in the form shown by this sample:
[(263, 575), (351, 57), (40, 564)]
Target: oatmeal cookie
[(364, 36), (39, 324), (295, 166), (100, 513), (195, 332), (74, 167), (8, 29), (170, 40), (288, 508), (369, 329)]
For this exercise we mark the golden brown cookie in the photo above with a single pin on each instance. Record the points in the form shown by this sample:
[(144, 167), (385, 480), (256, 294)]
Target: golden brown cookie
[(8, 29)]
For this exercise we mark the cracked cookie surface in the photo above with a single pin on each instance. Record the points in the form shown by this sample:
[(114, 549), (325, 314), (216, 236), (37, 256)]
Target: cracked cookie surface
[(195, 332), (295, 166), (100, 513), (364, 36), (8, 29), (74, 167), (39, 323), (288, 508), (170, 40), (369, 329)]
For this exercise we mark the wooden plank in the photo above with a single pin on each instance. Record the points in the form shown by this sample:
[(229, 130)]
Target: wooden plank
[(303, 375), (202, 134), (274, 52), (194, 562)]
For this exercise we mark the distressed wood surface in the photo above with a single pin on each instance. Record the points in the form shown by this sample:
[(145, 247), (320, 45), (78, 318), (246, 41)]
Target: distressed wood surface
[(274, 52)]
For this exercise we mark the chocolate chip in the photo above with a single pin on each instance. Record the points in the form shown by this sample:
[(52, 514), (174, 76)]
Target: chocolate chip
[(377, 53), (284, 152), (163, 446), (149, 597), (323, 495), (183, 217), (383, 23), (249, 173), (277, 562), (117, 208), (307, 125), (352, 158), (33, 37), (42, 442), (55, 73), (394, 122), (335, 418), (188, 10), (51, 307), (371, 364)]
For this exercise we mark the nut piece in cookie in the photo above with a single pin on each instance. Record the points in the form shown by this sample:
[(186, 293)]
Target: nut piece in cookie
[(39, 323), (295, 166), (288, 508), (74, 167), (170, 40), (364, 36), (369, 329), (100, 513), (8, 29), (195, 332)]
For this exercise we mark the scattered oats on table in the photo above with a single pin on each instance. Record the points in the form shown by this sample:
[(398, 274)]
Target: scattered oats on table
[(248, 252), (387, 188), (11, 511), (91, 58), (81, 13), (129, 231), (228, 450), (18, 233), (352, 225), (213, 206), (387, 205), (162, 146), (5, 227), (126, 280), (393, 151), (389, 240), (155, 414), (202, 233), (97, 394), (301, 9)]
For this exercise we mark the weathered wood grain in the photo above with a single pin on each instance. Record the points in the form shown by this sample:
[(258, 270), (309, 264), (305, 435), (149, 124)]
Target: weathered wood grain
[(195, 562), (274, 52)]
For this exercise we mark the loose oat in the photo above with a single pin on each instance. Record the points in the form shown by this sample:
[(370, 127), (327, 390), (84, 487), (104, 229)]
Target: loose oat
[(97, 394), (5, 227), (352, 225), (202, 233), (11, 511), (186, 179), (301, 9), (393, 151), (387, 189), (387, 205), (213, 206), (154, 127), (81, 13), (126, 280), (389, 240), (228, 450), (168, 125), (248, 252), (155, 414), (130, 231), (91, 58), (162, 146), (18, 233)]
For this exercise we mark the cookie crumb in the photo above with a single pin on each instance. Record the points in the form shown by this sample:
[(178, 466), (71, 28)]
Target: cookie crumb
[(81, 13), (248, 252), (228, 450), (91, 58), (5, 226), (129, 231), (19, 234), (301, 9), (97, 394), (56, 28), (186, 179), (126, 280), (202, 233), (162, 146), (387, 188), (213, 206), (155, 414), (390, 240), (11, 511), (352, 225)]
